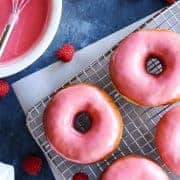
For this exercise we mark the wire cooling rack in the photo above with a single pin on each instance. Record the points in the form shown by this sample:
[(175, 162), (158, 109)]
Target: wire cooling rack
[(139, 122)]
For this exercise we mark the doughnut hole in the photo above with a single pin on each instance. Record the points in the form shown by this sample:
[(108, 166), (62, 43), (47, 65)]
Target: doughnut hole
[(154, 66), (82, 122)]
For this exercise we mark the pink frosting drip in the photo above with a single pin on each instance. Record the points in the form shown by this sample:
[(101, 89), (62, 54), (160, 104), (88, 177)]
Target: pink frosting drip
[(134, 168), (29, 28), (128, 70), (168, 139), (71, 144)]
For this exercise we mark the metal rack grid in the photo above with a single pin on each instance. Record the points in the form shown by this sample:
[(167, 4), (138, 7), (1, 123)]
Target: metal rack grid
[(139, 122)]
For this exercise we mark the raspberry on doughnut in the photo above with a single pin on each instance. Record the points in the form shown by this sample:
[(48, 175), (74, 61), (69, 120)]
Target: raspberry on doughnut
[(77, 103), (168, 139), (134, 167), (128, 67)]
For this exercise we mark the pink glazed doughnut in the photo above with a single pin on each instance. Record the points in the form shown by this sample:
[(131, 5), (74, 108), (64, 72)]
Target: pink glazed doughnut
[(134, 167), (128, 67), (168, 139), (105, 132)]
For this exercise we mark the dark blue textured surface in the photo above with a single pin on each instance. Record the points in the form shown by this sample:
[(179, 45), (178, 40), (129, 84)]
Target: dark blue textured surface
[(83, 22)]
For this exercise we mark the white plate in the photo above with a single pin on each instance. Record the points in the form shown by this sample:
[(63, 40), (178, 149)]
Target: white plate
[(34, 53)]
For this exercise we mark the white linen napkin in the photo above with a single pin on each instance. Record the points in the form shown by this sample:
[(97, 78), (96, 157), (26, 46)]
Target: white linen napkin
[(6, 172)]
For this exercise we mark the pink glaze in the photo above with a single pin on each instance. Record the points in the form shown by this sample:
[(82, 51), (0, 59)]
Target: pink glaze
[(168, 139), (128, 70), (104, 135), (28, 30), (134, 167)]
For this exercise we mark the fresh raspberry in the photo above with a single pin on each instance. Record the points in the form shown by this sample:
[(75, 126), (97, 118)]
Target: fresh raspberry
[(66, 52), (80, 176), (4, 88), (32, 165), (171, 1)]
